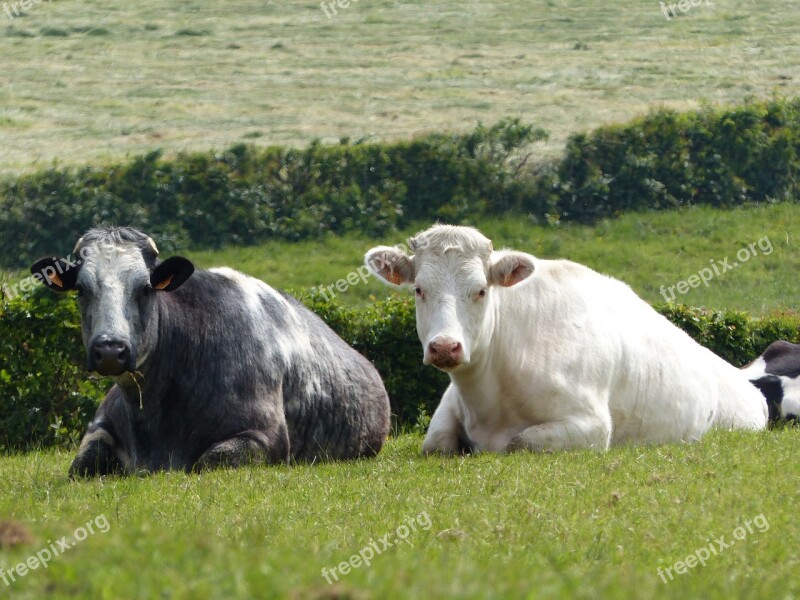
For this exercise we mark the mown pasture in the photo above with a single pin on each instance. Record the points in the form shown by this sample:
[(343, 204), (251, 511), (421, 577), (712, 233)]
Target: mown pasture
[(96, 80)]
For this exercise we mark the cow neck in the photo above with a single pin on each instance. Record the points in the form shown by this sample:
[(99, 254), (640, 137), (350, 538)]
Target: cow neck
[(474, 375), (141, 387), (486, 363)]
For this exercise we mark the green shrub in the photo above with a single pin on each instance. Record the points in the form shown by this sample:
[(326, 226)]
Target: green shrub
[(723, 158), (247, 195), (48, 398)]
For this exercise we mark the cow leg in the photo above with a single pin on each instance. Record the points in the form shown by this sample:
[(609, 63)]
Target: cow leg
[(446, 433), (580, 432), (96, 456), (249, 447)]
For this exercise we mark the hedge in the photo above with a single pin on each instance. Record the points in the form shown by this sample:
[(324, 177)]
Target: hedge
[(47, 398), (247, 195), (46, 395), (723, 158)]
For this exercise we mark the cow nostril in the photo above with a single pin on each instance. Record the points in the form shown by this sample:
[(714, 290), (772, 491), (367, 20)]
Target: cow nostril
[(438, 347), (110, 357), (111, 351)]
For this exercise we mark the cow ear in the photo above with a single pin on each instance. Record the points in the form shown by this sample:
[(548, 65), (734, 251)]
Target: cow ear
[(509, 268), (171, 274), (55, 273), (390, 264)]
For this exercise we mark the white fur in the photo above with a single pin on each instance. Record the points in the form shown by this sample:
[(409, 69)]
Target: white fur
[(790, 401), (791, 396), (563, 358), (109, 270), (289, 343)]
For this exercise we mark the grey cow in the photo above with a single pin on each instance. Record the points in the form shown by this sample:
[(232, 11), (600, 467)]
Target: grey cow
[(211, 367)]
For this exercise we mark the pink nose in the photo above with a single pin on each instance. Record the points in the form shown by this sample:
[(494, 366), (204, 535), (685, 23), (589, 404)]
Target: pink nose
[(445, 352)]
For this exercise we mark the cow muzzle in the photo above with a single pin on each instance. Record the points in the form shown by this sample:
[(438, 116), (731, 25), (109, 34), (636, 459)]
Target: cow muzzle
[(444, 353), (110, 357)]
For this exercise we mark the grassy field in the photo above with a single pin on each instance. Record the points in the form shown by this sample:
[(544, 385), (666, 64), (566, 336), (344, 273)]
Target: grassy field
[(567, 525), (92, 81), (95, 79), (647, 251)]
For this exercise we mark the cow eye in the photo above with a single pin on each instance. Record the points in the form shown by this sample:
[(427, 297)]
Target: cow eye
[(418, 291), (481, 293), (147, 290)]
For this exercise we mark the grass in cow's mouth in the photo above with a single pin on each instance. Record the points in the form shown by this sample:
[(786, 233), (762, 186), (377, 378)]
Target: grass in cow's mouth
[(133, 375)]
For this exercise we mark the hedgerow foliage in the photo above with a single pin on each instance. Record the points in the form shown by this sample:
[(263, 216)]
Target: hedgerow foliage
[(721, 158), (47, 398), (247, 194), (46, 395)]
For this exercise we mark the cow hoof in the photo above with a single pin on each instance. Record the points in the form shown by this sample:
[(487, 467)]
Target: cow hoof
[(439, 452), (517, 444), (80, 472)]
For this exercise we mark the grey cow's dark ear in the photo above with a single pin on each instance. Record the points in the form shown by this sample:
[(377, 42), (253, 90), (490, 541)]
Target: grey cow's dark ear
[(55, 273), (171, 274)]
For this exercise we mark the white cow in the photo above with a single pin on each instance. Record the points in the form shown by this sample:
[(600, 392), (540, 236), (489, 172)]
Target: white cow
[(550, 355)]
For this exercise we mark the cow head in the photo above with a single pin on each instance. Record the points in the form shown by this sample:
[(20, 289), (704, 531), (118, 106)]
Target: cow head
[(454, 273), (116, 275)]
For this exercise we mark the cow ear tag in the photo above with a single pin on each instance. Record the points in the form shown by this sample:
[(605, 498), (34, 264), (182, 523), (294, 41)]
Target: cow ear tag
[(164, 284)]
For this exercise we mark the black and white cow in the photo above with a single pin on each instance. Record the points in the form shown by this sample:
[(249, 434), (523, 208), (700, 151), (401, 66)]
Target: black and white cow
[(212, 368), (777, 374)]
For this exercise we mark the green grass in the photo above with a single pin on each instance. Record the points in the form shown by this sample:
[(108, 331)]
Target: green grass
[(646, 251), (89, 80), (575, 524)]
